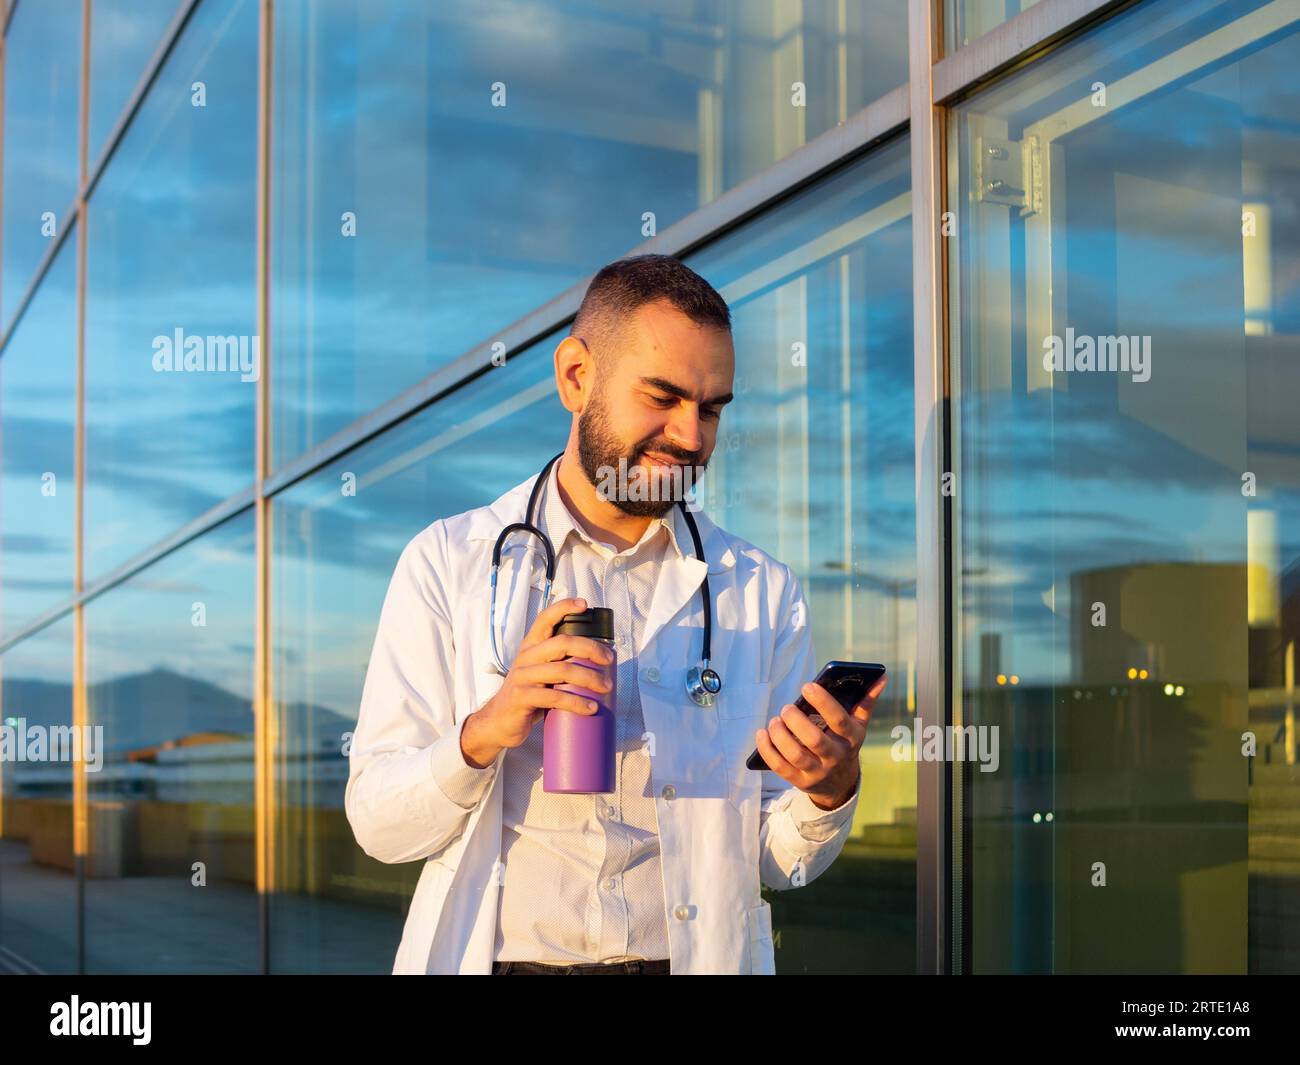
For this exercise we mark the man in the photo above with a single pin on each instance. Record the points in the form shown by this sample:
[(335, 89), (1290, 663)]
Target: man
[(665, 872)]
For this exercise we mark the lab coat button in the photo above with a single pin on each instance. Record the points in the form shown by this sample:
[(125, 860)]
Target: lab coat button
[(682, 912), (669, 792), (652, 675)]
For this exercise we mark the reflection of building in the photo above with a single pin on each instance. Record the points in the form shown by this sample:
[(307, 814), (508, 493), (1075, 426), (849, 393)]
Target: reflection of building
[(1149, 773), (1180, 620)]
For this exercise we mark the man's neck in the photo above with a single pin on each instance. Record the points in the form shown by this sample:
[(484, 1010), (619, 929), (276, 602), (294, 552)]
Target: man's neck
[(599, 517)]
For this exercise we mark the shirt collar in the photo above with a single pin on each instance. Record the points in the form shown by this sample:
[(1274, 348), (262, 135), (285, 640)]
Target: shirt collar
[(560, 522)]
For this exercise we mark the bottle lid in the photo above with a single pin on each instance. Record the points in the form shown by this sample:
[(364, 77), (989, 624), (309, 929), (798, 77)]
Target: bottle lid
[(595, 622)]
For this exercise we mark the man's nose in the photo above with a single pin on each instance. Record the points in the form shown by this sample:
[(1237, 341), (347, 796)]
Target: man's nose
[(683, 430)]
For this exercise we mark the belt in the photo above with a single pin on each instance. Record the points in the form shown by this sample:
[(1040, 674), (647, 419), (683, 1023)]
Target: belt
[(657, 967)]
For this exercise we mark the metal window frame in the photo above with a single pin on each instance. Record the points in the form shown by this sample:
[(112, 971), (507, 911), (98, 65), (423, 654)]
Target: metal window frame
[(920, 106)]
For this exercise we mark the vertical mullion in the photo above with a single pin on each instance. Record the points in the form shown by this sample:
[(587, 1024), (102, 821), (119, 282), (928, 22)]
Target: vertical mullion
[(3, 43), (263, 815), (80, 707), (933, 788)]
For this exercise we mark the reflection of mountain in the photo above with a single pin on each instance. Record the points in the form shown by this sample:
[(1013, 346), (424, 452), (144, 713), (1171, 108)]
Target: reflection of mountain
[(142, 710)]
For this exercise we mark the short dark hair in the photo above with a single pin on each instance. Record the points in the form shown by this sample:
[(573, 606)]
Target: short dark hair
[(623, 286)]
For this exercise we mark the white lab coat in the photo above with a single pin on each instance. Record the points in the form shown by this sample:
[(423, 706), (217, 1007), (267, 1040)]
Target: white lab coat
[(430, 668)]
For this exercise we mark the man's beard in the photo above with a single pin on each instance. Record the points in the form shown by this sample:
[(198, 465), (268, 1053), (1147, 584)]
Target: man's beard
[(600, 450)]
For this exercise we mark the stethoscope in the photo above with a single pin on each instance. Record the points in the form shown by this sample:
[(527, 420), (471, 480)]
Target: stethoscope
[(702, 682)]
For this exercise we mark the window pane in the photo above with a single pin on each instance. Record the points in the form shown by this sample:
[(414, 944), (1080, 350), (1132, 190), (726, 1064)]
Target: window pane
[(42, 77), (38, 488), (38, 883), (442, 170), (337, 538), (169, 673), (171, 355), (124, 34), (815, 463), (1129, 495)]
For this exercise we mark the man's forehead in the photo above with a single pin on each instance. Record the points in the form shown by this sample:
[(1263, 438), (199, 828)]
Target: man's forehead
[(658, 321)]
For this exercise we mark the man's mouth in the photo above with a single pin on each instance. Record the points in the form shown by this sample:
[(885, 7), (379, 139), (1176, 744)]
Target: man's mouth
[(660, 461)]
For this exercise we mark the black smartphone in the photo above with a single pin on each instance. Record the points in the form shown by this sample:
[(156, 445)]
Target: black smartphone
[(847, 682)]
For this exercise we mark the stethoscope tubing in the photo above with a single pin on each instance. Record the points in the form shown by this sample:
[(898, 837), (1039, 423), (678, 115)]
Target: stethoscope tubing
[(528, 528)]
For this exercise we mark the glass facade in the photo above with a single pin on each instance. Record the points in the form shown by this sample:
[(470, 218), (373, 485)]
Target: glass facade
[(1130, 519), (274, 365), (496, 160)]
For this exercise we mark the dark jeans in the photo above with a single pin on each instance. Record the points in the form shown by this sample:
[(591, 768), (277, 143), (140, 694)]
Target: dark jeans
[(617, 968)]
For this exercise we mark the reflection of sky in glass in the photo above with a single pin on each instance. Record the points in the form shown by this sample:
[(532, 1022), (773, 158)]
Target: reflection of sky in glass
[(468, 216), (123, 37), (171, 246), (42, 73), (155, 675), (38, 381), (1147, 197)]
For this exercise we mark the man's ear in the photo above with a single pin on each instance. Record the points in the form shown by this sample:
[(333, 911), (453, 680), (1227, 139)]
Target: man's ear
[(575, 374)]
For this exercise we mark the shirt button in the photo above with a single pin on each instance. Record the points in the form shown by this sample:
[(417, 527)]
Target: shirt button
[(669, 792), (682, 912), (652, 675), (618, 561), (609, 811), (609, 885)]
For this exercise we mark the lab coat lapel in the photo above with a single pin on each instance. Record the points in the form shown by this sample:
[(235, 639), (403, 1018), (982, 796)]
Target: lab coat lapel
[(679, 580)]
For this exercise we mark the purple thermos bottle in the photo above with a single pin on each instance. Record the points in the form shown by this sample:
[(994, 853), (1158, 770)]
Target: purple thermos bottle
[(578, 749)]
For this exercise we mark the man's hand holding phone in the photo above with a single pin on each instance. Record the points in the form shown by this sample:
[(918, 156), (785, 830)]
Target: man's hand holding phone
[(821, 761)]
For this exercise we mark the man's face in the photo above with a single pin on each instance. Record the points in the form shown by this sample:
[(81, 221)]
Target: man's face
[(658, 407)]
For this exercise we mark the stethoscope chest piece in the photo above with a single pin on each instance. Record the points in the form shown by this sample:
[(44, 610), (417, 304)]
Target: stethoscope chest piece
[(702, 685)]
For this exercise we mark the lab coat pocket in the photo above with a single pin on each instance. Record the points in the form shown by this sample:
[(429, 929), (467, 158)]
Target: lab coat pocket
[(762, 950), (744, 700), (743, 714)]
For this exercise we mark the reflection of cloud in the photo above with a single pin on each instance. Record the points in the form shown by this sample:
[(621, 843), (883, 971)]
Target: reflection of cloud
[(1048, 438), (34, 446), (32, 544), (39, 584)]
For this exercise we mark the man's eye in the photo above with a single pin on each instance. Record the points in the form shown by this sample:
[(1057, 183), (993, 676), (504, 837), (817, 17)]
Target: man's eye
[(711, 413), (663, 401)]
